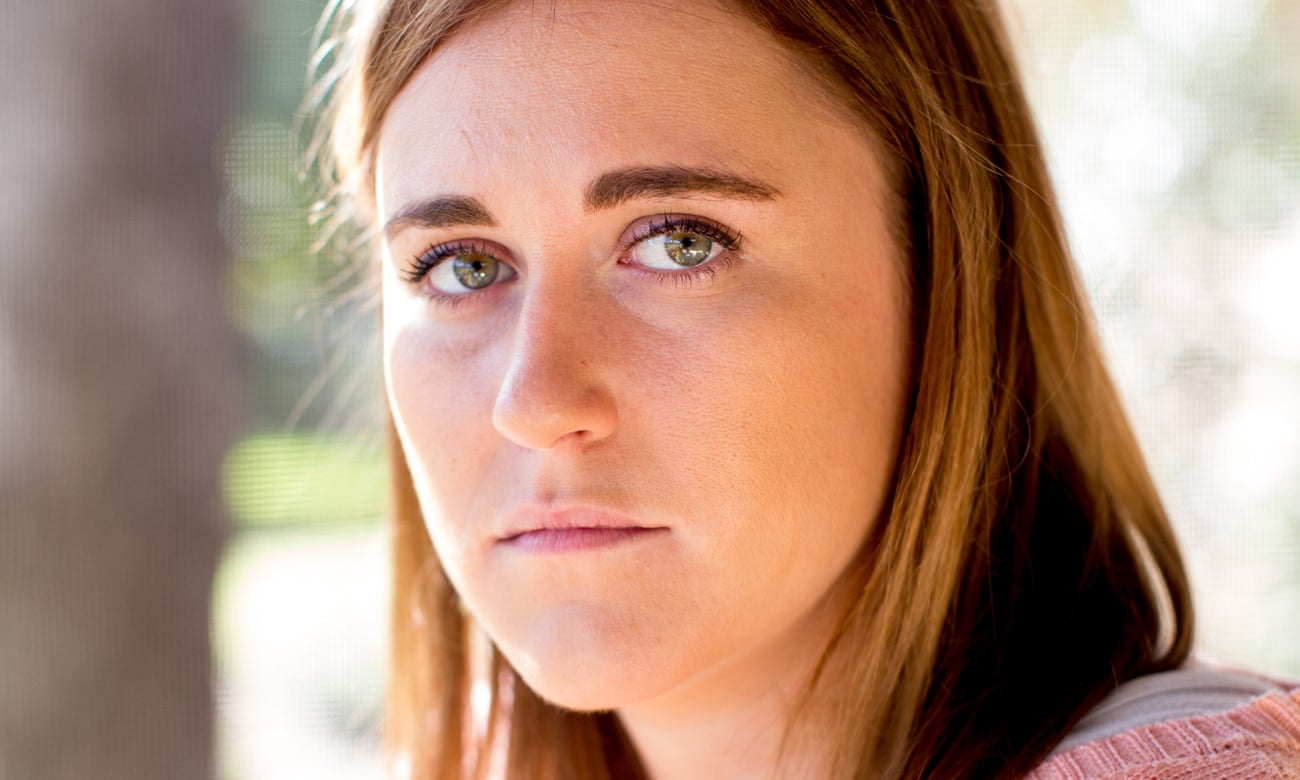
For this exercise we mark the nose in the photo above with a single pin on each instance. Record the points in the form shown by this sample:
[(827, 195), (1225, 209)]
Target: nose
[(555, 391)]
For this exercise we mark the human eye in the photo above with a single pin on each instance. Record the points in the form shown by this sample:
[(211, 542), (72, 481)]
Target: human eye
[(679, 244), (451, 272)]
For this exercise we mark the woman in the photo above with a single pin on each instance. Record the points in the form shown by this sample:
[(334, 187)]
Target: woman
[(749, 420)]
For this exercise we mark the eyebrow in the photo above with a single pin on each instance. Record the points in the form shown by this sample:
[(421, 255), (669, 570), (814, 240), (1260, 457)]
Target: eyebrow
[(444, 211), (607, 191), (617, 187)]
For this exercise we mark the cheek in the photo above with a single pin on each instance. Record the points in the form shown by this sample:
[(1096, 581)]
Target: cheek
[(829, 419), (784, 409), (780, 427), (441, 401)]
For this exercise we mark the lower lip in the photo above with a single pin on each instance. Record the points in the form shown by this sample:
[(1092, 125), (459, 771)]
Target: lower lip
[(564, 540)]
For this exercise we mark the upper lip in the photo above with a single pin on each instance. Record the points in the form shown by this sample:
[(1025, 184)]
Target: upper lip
[(535, 517)]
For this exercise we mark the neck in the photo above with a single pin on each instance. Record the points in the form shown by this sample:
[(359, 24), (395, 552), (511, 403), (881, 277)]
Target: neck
[(750, 717)]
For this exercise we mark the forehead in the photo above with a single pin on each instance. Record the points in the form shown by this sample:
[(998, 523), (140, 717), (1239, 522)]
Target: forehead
[(562, 90)]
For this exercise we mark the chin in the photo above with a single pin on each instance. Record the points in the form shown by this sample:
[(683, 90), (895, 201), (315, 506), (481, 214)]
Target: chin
[(585, 669), (574, 696), (582, 688)]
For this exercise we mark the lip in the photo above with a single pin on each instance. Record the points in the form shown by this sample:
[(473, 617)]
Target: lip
[(574, 529)]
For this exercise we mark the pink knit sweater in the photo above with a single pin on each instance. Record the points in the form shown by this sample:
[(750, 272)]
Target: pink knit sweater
[(1259, 740)]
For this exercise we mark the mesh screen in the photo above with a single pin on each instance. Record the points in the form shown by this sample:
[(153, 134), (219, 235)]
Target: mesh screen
[(1173, 129)]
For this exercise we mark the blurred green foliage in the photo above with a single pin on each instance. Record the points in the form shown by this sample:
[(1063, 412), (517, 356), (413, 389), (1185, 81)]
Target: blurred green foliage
[(276, 480), (312, 387), (299, 311)]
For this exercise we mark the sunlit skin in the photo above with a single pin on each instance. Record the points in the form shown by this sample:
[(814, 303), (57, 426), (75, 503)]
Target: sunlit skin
[(738, 419)]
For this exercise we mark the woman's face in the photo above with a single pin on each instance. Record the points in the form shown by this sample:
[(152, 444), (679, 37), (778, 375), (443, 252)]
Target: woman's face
[(652, 387)]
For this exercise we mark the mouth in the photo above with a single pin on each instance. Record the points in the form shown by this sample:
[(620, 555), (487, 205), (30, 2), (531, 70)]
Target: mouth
[(549, 531)]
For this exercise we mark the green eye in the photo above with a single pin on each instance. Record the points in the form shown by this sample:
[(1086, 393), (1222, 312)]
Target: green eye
[(475, 270), (687, 249)]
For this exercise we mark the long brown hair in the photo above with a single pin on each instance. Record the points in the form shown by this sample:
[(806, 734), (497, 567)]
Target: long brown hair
[(1026, 566)]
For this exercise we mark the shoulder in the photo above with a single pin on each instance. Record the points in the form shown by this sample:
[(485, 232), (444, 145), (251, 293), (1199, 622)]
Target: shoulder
[(1189, 723)]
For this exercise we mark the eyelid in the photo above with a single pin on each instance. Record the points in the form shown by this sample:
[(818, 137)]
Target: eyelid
[(417, 267), (420, 268), (668, 222)]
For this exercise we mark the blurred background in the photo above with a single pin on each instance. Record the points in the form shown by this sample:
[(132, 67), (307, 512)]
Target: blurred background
[(191, 477)]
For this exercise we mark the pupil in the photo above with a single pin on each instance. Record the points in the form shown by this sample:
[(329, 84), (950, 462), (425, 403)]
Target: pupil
[(475, 271), (687, 249)]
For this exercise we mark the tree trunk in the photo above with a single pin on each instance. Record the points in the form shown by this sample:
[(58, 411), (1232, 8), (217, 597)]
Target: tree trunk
[(117, 383)]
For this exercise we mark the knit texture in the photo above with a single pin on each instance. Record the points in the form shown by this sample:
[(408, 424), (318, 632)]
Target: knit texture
[(1256, 741)]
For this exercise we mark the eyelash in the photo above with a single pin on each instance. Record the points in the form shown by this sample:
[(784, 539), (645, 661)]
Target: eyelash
[(419, 266), (685, 223)]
